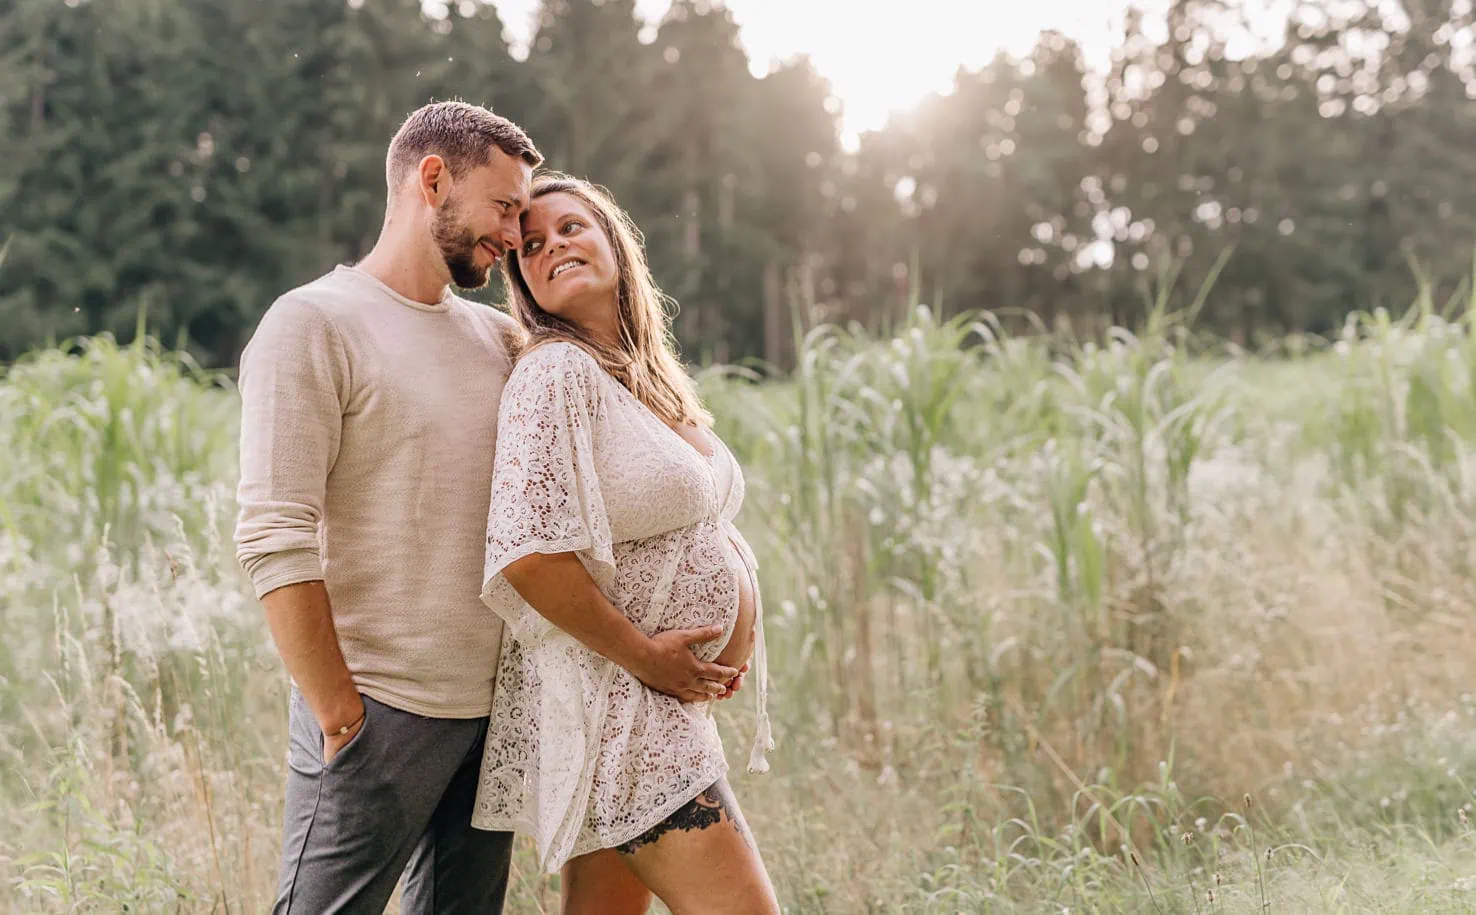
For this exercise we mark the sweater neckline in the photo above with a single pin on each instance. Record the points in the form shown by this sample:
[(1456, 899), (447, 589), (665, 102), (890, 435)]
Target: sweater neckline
[(444, 305)]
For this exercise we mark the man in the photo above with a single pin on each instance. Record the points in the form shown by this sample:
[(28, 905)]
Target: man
[(369, 415)]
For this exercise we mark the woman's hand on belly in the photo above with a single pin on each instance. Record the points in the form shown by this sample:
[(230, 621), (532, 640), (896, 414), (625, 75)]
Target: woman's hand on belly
[(671, 653), (559, 588)]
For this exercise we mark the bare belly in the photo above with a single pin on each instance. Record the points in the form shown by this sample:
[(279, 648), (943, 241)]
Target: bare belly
[(739, 647)]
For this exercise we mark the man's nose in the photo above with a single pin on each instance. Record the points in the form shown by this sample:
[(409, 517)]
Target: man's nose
[(510, 236)]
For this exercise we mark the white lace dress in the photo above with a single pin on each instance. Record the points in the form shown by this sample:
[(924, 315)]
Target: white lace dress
[(580, 754)]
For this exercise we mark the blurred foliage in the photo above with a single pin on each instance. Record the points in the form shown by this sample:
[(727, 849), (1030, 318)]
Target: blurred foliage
[(153, 166)]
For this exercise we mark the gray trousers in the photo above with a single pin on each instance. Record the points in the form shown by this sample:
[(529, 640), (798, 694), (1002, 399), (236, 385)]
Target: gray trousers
[(397, 799)]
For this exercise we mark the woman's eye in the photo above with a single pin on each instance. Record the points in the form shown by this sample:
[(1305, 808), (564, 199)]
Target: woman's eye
[(571, 225), (529, 248)]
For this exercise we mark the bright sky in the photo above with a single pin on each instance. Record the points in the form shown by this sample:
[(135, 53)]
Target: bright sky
[(884, 57)]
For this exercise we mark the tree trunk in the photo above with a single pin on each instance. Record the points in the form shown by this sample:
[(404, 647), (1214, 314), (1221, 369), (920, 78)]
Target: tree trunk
[(38, 92)]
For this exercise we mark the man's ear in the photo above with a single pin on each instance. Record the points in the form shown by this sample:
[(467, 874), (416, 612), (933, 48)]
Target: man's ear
[(434, 181)]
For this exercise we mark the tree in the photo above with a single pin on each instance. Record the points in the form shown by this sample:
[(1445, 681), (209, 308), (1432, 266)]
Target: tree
[(794, 209), (594, 115), (701, 174), (152, 167), (987, 178)]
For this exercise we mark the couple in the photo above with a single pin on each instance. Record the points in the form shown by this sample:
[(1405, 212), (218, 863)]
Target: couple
[(480, 645)]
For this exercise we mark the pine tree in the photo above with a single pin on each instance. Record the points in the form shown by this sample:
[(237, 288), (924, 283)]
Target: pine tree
[(794, 211), (594, 116), (702, 175)]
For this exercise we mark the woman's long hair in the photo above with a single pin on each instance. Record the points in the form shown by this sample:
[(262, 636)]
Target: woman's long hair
[(645, 358)]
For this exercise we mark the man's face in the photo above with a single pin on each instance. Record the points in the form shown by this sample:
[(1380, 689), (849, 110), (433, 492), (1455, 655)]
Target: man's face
[(478, 222)]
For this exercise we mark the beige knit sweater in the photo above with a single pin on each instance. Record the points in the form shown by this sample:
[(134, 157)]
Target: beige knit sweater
[(367, 432)]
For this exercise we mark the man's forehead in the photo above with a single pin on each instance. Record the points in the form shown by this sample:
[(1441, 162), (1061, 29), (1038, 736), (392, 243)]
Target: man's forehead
[(505, 177), (523, 185)]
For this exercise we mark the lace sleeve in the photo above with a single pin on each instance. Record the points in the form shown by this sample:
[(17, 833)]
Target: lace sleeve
[(545, 493)]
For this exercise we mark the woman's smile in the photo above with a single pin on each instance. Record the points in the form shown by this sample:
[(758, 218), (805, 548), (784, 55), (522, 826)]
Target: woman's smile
[(564, 266)]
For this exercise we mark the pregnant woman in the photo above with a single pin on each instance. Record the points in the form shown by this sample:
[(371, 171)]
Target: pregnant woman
[(611, 523)]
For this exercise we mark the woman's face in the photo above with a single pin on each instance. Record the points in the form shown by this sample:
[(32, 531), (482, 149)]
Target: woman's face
[(568, 263)]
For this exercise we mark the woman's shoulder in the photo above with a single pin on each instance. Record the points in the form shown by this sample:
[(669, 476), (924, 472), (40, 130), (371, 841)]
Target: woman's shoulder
[(561, 354), (559, 357), (558, 365)]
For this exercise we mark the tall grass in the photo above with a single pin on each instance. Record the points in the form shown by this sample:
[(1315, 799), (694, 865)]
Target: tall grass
[(1041, 611)]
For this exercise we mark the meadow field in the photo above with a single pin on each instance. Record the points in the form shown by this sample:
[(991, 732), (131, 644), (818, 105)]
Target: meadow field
[(1141, 624)]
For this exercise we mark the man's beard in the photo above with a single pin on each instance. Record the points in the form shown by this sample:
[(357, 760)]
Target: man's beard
[(458, 247)]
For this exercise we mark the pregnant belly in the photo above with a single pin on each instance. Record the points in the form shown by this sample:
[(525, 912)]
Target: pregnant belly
[(739, 647)]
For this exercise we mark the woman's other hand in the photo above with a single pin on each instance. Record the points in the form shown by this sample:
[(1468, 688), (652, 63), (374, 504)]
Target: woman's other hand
[(736, 683)]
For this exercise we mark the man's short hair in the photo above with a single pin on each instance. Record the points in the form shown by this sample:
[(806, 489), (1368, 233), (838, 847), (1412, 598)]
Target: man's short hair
[(462, 134)]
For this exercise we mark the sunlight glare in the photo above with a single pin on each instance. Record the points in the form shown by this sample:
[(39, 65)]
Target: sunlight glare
[(885, 58)]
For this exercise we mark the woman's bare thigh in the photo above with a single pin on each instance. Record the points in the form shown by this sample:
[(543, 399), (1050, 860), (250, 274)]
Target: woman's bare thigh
[(702, 859), (602, 883)]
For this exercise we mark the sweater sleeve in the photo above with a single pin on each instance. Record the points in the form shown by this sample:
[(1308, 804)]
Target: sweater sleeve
[(294, 384)]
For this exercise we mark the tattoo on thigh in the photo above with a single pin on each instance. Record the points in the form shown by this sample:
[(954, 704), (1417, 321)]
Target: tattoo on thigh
[(706, 809)]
